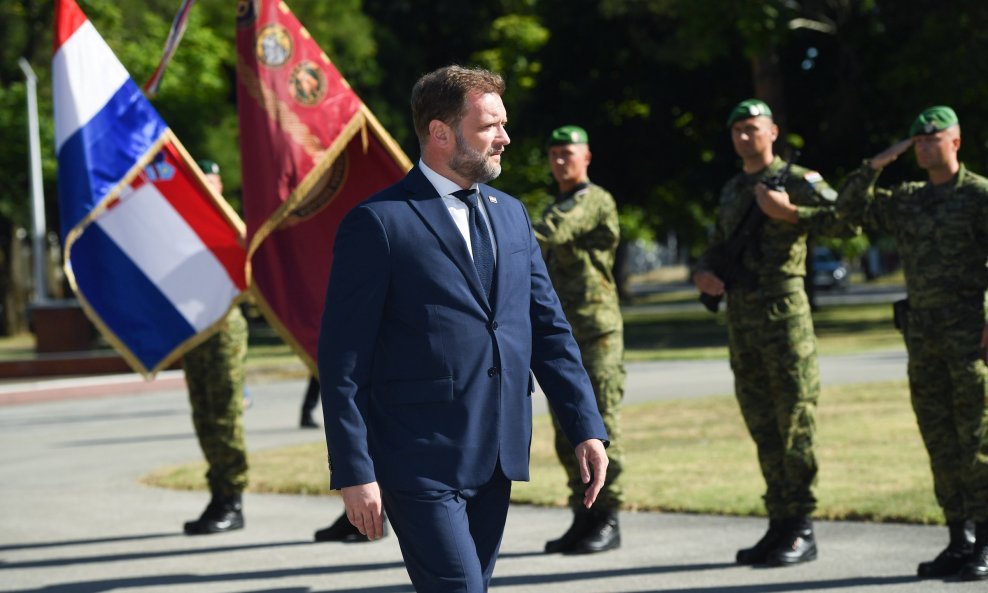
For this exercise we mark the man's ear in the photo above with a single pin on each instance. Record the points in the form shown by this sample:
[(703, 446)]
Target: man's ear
[(440, 133)]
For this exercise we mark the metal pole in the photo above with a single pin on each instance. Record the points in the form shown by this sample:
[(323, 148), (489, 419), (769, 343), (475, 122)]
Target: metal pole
[(39, 247)]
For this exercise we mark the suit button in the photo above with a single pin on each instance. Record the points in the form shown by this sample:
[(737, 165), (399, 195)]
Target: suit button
[(491, 371), (494, 325)]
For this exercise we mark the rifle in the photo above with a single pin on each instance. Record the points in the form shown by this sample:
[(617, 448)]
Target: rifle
[(725, 257)]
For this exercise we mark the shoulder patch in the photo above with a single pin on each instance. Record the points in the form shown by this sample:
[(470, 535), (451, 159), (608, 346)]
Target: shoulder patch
[(813, 177)]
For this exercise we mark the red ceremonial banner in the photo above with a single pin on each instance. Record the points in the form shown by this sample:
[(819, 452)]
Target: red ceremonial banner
[(310, 151)]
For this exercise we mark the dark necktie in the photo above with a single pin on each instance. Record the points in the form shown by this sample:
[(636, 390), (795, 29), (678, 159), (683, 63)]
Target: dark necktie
[(480, 239)]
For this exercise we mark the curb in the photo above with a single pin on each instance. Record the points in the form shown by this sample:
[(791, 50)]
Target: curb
[(87, 387)]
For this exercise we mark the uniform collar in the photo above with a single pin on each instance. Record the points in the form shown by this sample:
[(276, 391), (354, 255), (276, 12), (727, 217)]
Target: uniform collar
[(577, 188)]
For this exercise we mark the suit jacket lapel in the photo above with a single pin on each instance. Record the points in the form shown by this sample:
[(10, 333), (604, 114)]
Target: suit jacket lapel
[(431, 208)]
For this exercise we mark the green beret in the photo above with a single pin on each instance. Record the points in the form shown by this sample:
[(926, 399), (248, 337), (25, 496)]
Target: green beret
[(747, 109), (209, 166), (933, 120), (568, 135)]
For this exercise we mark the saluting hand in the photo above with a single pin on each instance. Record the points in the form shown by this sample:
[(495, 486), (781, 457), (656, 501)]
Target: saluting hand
[(593, 462), (880, 160), (363, 509)]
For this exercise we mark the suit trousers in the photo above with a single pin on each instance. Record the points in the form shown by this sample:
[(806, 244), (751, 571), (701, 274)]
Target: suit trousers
[(450, 538)]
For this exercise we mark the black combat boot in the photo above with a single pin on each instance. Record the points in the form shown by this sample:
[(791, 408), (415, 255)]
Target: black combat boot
[(977, 568), (758, 553), (797, 544), (223, 513), (953, 558), (342, 530), (581, 525), (603, 534)]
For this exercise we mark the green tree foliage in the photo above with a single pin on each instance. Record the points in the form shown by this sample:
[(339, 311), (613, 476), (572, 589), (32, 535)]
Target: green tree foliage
[(651, 81)]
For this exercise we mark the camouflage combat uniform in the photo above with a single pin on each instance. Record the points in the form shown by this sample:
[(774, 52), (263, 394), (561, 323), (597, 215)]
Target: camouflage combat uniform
[(770, 332), (941, 233), (579, 237), (214, 373)]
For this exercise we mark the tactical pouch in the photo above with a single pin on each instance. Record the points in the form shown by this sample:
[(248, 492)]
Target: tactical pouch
[(899, 310)]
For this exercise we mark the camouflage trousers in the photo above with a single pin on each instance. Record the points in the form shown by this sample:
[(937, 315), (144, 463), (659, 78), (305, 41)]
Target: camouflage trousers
[(777, 384), (603, 359), (948, 382), (214, 373)]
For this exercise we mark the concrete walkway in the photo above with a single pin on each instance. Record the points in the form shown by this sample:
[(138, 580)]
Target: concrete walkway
[(75, 518)]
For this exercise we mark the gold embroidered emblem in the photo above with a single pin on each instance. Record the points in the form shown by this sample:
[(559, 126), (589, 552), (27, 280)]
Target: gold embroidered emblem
[(274, 45)]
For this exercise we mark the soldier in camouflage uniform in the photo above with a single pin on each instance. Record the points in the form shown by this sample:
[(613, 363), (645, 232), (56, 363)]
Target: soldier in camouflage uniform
[(941, 232), (579, 237), (770, 331), (214, 373)]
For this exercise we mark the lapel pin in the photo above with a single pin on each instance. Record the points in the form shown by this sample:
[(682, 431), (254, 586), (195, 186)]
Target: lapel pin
[(492, 199)]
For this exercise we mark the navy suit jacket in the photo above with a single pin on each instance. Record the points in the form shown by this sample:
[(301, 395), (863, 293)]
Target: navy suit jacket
[(426, 384)]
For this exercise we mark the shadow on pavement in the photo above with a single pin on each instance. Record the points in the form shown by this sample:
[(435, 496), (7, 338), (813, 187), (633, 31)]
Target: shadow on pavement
[(88, 542), (172, 580), (61, 562), (792, 587)]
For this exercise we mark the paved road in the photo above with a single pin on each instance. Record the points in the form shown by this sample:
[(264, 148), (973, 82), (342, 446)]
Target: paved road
[(75, 519)]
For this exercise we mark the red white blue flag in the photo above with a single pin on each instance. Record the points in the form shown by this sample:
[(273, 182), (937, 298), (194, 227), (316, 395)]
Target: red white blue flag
[(154, 255)]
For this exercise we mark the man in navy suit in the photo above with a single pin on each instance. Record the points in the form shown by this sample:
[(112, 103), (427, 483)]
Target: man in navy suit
[(438, 306)]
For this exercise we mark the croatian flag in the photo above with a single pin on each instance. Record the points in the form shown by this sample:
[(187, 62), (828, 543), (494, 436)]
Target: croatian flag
[(154, 255)]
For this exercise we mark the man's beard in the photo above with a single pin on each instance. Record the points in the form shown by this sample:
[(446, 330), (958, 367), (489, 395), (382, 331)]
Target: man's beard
[(473, 164)]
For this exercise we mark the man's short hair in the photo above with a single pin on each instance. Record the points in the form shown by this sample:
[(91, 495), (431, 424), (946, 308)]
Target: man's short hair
[(441, 94)]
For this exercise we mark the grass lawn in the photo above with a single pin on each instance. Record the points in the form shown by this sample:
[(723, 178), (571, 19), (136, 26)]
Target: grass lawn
[(695, 456), (682, 335)]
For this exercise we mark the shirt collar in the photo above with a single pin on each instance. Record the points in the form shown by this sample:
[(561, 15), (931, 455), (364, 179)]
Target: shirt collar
[(443, 185)]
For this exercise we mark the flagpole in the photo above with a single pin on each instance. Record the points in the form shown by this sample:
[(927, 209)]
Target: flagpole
[(38, 243)]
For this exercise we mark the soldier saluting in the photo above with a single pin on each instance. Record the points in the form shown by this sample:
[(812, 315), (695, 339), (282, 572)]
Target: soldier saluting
[(770, 331), (940, 228)]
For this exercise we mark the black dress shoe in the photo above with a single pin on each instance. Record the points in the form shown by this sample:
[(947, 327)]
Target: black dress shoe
[(342, 530), (307, 421), (223, 513), (952, 559), (579, 528), (758, 553), (797, 544), (604, 534), (977, 568)]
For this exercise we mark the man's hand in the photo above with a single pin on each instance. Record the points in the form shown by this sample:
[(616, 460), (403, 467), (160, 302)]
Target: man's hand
[(363, 509), (708, 283), (882, 159), (775, 204), (593, 466)]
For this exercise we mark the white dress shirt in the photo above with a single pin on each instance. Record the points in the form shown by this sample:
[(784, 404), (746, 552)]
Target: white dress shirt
[(457, 209)]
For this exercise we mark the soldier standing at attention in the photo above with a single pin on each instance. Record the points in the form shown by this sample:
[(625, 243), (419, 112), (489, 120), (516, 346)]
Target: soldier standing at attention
[(579, 237), (941, 232), (770, 331), (214, 373)]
